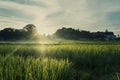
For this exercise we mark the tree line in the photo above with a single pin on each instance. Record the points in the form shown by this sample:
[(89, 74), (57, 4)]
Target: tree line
[(26, 33), (29, 32), (73, 34), (76, 34)]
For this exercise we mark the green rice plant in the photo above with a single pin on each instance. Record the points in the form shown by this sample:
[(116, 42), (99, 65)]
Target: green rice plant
[(18, 68), (72, 60), (116, 76)]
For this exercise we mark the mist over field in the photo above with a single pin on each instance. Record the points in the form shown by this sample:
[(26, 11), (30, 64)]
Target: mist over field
[(59, 40)]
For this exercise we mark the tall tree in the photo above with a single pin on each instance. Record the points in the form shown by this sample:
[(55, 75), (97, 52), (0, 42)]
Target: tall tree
[(31, 30)]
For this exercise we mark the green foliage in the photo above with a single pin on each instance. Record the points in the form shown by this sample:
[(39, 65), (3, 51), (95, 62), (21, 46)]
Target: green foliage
[(19, 68), (68, 60)]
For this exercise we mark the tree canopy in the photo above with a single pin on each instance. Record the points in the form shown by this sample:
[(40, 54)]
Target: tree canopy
[(28, 32), (70, 33)]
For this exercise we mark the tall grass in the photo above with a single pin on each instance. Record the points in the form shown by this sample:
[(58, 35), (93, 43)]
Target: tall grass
[(64, 61), (18, 68)]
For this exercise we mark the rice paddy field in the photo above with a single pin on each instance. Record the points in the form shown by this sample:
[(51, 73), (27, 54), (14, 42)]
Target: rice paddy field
[(65, 60)]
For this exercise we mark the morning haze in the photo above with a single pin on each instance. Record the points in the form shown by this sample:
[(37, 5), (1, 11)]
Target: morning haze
[(48, 16), (59, 40)]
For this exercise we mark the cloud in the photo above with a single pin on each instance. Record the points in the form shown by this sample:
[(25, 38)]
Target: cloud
[(28, 2), (49, 15), (23, 11), (114, 17), (88, 14), (14, 13)]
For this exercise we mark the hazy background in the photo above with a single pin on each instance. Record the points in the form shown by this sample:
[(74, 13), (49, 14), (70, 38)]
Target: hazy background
[(49, 15)]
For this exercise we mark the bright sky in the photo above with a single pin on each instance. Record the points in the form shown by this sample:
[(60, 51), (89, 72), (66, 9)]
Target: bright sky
[(49, 15)]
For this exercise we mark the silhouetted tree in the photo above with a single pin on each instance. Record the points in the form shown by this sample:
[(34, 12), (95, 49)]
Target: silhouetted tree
[(31, 30), (28, 32), (69, 33)]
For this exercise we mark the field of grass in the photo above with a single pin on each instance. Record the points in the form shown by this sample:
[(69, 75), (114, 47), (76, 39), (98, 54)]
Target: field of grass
[(68, 60)]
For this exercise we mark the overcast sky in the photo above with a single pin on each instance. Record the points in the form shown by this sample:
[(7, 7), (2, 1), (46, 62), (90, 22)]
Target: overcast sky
[(49, 15)]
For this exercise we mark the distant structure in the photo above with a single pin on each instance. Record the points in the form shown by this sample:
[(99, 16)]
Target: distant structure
[(107, 35), (118, 37)]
